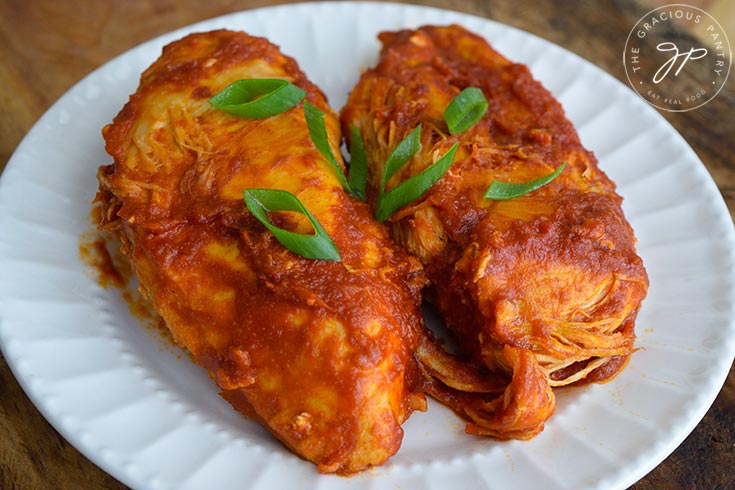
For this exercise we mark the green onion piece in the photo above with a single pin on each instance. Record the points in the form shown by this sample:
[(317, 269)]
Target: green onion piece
[(316, 246), (414, 187), (318, 134), (465, 110), (358, 163), (503, 190), (258, 98), (401, 154)]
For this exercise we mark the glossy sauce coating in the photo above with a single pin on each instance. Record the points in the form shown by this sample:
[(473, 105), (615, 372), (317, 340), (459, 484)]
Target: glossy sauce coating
[(319, 352), (544, 288)]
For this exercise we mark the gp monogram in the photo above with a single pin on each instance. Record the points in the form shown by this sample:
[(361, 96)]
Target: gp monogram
[(676, 72)]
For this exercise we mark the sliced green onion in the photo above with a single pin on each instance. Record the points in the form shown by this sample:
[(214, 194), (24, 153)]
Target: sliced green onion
[(414, 187), (318, 134), (316, 246), (258, 98), (465, 110), (358, 163), (401, 154), (503, 190)]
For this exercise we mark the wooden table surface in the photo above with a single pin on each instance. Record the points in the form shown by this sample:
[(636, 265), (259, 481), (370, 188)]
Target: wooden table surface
[(46, 46)]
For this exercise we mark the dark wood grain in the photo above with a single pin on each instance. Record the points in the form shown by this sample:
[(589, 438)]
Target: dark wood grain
[(46, 46)]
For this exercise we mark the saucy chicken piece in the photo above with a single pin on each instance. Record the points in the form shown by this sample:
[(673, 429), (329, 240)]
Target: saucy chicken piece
[(319, 352), (541, 290)]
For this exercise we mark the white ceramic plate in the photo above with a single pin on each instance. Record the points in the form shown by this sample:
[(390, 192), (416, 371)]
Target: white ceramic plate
[(155, 421)]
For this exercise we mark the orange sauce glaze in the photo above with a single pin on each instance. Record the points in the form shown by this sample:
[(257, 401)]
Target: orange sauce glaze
[(100, 252)]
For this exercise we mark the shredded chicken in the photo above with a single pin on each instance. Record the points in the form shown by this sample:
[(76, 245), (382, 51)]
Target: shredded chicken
[(541, 290)]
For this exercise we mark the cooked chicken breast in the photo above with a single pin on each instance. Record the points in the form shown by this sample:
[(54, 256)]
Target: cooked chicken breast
[(544, 288), (319, 352)]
